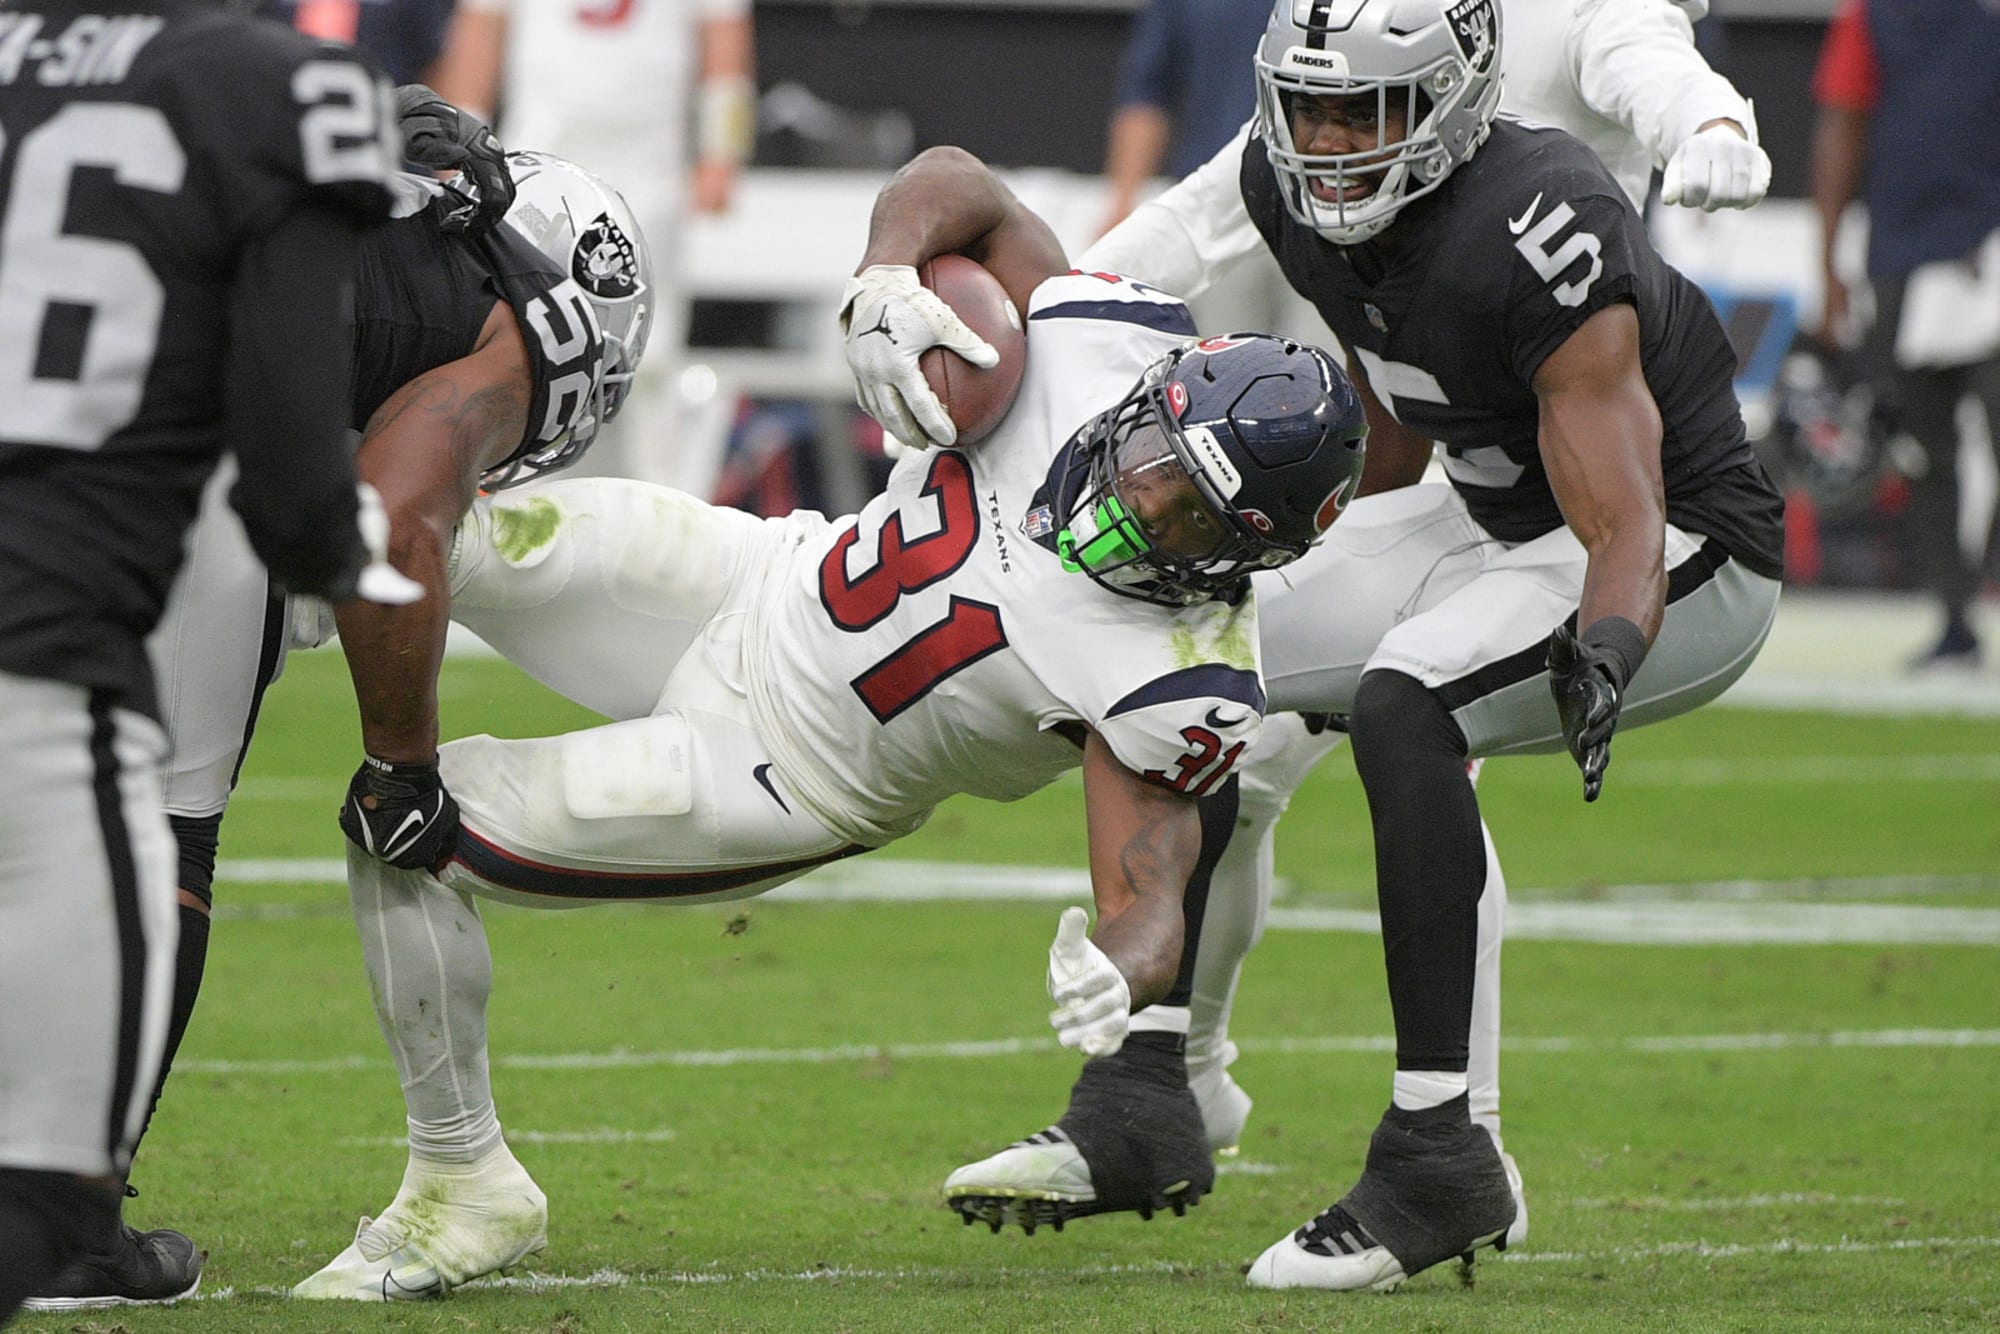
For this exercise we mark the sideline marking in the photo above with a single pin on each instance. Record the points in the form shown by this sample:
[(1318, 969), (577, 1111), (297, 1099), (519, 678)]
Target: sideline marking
[(917, 1051)]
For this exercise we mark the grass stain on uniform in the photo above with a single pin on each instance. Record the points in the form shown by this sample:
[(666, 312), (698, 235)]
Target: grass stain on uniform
[(521, 530)]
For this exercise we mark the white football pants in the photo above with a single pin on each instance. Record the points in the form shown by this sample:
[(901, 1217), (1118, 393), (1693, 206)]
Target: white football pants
[(1406, 580), (631, 600)]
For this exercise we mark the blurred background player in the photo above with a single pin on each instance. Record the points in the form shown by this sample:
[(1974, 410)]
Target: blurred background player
[(184, 196), (506, 376), (404, 37), (657, 95), (1908, 98), (793, 691)]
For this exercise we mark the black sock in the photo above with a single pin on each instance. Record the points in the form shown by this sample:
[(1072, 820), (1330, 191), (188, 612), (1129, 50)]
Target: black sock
[(190, 961), (1430, 863)]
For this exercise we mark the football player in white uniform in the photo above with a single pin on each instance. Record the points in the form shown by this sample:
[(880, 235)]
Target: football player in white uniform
[(788, 692)]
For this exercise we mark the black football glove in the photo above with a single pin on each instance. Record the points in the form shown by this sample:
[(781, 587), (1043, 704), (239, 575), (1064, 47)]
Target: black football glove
[(438, 135), (1584, 680), (400, 814)]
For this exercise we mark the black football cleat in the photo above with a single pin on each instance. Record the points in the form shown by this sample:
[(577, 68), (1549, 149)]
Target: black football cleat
[(154, 1268), (1434, 1187), (1131, 1142)]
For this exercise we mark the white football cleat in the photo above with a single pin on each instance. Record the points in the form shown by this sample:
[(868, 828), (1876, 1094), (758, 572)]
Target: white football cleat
[(1288, 1263), (449, 1224)]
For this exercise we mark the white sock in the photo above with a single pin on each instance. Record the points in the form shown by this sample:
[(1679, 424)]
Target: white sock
[(1414, 1090), (1160, 1019), (425, 951)]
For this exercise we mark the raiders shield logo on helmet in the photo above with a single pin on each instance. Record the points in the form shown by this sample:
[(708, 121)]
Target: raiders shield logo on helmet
[(605, 264)]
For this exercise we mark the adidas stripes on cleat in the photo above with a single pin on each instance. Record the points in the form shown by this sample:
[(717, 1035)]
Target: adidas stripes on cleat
[(1131, 1142), (1434, 1187)]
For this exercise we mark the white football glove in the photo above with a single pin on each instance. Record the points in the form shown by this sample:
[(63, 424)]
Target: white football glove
[(890, 319), (1717, 168), (1093, 1001), (380, 581)]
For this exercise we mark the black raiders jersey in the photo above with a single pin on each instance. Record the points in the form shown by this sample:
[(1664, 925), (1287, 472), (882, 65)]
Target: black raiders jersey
[(422, 295), (1452, 312), (142, 145)]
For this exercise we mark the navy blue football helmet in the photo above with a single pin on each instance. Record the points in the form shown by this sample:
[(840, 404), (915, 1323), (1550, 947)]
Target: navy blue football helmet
[(1231, 455)]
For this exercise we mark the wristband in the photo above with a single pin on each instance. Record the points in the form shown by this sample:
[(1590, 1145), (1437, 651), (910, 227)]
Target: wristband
[(1622, 643), (726, 120)]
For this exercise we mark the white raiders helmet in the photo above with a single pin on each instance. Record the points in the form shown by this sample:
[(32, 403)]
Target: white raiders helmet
[(1436, 60), (586, 227)]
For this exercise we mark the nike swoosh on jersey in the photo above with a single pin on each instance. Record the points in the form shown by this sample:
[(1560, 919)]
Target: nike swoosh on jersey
[(762, 773), (1221, 724), (1520, 224)]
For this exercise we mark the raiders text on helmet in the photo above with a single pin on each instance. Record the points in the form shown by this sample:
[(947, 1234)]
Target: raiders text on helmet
[(1435, 62)]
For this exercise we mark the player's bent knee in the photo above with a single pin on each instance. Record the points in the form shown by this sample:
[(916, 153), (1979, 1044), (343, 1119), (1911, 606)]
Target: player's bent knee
[(1393, 710)]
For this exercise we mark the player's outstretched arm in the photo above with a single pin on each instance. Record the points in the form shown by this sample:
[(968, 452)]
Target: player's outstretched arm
[(1144, 841), (1600, 440), (943, 201), (285, 407), (1635, 63), (425, 450)]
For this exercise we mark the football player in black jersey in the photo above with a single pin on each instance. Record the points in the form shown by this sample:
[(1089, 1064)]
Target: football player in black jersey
[(183, 193), (478, 359), (1499, 299)]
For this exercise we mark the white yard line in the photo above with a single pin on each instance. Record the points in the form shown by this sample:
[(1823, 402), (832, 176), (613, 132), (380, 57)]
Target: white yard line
[(1714, 913), (1673, 1250), (986, 1050)]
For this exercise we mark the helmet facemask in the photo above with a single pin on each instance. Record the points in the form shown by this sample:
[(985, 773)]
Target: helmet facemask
[(1439, 78), (1149, 521)]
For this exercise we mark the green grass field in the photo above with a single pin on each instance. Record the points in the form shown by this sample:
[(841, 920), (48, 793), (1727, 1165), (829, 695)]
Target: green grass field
[(745, 1129)]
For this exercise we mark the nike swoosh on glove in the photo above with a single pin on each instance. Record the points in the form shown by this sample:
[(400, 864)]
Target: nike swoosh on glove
[(1093, 1001), (438, 135), (401, 814), (1717, 168), (1585, 686), (890, 319)]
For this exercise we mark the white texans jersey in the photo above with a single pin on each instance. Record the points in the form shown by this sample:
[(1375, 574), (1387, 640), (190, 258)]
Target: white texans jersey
[(934, 643)]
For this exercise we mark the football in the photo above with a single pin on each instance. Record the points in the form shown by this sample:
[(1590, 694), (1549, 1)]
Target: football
[(976, 399)]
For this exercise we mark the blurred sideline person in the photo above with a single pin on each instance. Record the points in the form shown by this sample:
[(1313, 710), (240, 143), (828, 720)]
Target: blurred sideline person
[(1604, 513), (658, 95), (184, 195), (477, 360), (788, 692), (1908, 101), (404, 37)]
